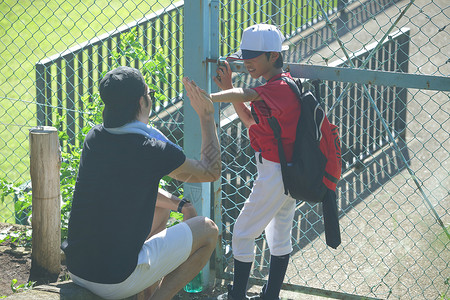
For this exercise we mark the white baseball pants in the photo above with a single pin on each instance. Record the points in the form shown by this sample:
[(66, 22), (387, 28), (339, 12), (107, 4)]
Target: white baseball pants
[(267, 209)]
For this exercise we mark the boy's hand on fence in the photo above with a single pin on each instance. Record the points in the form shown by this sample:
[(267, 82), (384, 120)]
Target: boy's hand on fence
[(223, 77), (200, 100)]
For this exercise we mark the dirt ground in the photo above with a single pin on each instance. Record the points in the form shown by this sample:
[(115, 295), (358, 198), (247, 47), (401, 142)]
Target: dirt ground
[(15, 261), (13, 265)]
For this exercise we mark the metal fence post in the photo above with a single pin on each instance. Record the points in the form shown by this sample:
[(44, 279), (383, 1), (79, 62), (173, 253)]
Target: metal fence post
[(403, 63), (198, 34), (40, 94), (70, 99), (275, 13), (216, 186)]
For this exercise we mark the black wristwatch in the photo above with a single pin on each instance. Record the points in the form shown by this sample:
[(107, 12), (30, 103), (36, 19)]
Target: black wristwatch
[(182, 202)]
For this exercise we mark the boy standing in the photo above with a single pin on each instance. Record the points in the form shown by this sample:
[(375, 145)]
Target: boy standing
[(267, 208)]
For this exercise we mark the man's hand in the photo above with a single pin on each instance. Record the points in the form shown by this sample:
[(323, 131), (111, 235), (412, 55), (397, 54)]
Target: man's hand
[(209, 167), (200, 100), (223, 77)]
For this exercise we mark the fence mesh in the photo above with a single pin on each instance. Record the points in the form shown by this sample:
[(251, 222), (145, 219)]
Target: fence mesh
[(394, 194)]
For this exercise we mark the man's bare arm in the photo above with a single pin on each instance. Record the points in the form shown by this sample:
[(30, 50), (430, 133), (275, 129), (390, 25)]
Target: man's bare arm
[(169, 201), (209, 167)]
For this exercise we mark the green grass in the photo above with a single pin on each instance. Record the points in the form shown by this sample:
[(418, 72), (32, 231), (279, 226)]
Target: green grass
[(31, 31)]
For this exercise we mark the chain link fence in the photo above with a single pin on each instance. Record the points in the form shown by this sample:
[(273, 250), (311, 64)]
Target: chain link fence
[(394, 195)]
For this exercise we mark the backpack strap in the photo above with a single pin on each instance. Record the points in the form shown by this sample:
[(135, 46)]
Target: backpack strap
[(293, 85), (273, 122)]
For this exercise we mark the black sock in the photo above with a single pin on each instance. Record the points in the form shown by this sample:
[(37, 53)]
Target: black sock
[(240, 278), (278, 267)]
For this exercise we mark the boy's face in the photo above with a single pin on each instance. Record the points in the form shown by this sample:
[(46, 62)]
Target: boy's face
[(261, 65)]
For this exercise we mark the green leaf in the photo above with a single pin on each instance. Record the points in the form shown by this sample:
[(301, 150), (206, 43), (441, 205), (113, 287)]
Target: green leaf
[(63, 135), (13, 283)]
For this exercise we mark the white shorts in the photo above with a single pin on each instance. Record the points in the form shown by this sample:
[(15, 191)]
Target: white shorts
[(160, 255), (266, 209)]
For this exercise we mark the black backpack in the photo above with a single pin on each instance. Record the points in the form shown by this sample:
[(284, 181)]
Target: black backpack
[(316, 162)]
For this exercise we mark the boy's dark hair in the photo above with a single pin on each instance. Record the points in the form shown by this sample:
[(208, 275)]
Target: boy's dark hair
[(278, 62)]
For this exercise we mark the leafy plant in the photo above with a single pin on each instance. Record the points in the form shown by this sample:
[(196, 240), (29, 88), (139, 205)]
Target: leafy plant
[(18, 237), (22, 195), (21, 287), (175, 217), (22, 207), (154, 68)]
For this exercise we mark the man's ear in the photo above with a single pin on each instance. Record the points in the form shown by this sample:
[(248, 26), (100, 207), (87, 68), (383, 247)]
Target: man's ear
[(143, 102)]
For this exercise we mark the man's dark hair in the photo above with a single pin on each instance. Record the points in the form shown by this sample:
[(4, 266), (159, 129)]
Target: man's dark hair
[(278, 62), (120, 90)]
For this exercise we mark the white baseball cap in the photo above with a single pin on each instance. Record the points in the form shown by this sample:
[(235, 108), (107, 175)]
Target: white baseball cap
[(258, 39)]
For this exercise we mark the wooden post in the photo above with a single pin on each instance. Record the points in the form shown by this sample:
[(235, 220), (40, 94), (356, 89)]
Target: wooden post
[(45, 163)]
